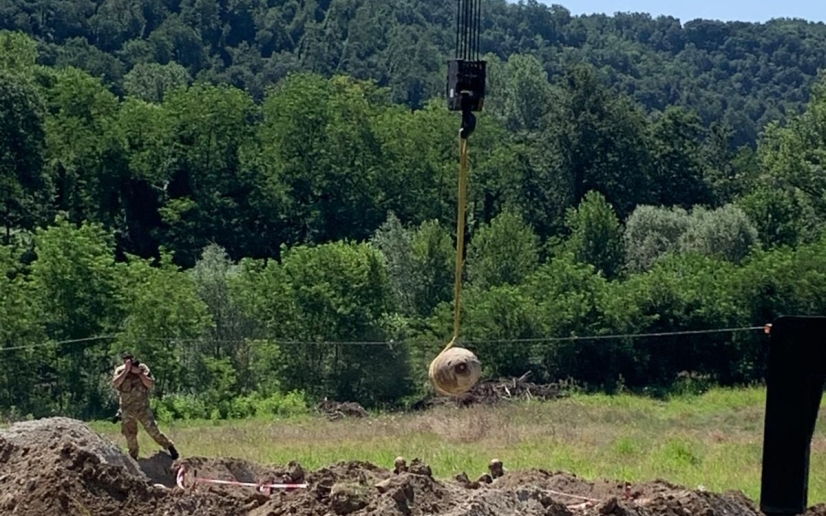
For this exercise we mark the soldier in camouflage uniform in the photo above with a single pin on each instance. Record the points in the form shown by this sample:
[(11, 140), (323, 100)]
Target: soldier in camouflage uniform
[(133, 381)]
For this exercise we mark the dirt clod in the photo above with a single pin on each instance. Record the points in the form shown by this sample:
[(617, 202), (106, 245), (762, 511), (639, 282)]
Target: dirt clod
[(348, 498), (417, 467)]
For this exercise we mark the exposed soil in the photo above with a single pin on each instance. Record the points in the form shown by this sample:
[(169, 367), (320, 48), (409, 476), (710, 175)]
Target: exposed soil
[(61, 467)]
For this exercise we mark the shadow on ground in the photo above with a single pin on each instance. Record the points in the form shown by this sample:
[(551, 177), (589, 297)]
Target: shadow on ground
[(159, 469)]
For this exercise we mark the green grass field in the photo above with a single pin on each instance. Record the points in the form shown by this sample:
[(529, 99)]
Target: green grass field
[(714, 440)]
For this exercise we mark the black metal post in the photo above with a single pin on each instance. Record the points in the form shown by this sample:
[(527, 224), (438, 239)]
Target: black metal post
[(794, 387)]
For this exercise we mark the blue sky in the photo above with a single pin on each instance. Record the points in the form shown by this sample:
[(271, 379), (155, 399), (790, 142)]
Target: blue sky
[(685, 10)]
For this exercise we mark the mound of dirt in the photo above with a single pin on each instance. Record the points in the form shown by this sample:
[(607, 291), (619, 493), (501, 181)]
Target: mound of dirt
[(359, 488), (699, 502), (60, 467), (48, 435), (658, 498), (579, 488)]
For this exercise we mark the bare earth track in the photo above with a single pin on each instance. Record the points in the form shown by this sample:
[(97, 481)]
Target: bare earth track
[(60, 466)]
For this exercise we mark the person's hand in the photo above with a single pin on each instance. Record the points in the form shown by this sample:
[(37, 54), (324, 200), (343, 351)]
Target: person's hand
[(136, 370)]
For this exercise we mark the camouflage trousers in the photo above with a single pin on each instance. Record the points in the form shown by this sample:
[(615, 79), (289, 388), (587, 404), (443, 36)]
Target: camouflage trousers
[(129, 428)]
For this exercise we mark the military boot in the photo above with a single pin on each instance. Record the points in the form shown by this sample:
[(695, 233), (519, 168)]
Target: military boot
[(173, 452)]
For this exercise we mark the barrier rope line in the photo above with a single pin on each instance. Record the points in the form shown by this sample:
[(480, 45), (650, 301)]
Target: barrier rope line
[(391, 342), (618, 336), (180, 480), (58, 343)]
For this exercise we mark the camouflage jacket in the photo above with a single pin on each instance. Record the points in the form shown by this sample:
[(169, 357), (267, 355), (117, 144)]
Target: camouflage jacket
[(133, 393)]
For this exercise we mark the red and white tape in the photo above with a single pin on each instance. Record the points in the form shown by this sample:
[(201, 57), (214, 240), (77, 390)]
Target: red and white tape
[(262, 488)]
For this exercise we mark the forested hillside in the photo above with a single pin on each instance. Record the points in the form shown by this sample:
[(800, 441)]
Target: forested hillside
[(218, 188), (741, 73)]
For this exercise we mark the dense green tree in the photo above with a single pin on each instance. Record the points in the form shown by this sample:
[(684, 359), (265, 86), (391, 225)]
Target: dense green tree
[(24, 184), (504, 252), (82, 150), (163, 321), (206, 191), (678, 166), (794, 154), (150, 81), (597, 141), (595, 234), (324, 153), (23, 375), (781, 215), (339, 292), (74, 277)]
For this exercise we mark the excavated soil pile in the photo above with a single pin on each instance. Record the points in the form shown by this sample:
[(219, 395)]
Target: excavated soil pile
[(359, 489), (61, 467), (658, 498), (54, 432)]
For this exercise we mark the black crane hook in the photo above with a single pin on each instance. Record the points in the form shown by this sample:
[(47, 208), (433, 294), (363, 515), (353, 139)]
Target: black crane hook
[(468, 122)]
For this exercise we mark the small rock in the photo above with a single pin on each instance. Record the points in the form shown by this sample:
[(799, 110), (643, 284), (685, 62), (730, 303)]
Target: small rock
[(463, 479), (399, 465), (496, 468), (347, 499), (8, 502), (402, 494), (31, 485), (295, 472), (384, 485), (608, 507), (251, 506), (485, 479), (417, 467)]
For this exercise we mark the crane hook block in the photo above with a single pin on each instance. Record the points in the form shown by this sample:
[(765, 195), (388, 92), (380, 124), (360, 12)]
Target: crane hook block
[(465, 85)]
